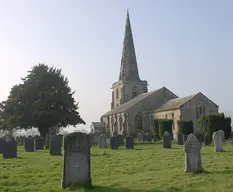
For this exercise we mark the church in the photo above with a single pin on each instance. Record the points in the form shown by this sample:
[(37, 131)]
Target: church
[(134, 109)]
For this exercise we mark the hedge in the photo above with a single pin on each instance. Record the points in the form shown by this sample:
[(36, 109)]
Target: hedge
[(214, 122), (185, 127), (165, 125)]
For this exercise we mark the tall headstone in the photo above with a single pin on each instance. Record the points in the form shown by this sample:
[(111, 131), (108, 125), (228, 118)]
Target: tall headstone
[(129, 142), (180, 139), (113, 143), (29, 144), (166, 140), (207, 139), (9, 147), (102, 141), (192, 149), (218, 141), (55, 145), (39, 143), (76, 165)]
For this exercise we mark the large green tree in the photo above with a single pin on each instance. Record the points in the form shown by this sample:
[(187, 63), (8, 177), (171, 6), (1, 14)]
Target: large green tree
[(43, 100)]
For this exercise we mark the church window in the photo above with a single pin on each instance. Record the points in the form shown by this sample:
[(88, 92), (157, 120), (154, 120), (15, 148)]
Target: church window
[(134, 93), (138, 121), (203, 109), (197, 112), (165, 116), (200, 110), (117, 93)]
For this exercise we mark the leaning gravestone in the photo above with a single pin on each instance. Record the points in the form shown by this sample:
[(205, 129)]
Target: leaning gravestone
[(113, 143), (102, 141), (192, 149), (55, 145), (218, 141), (166, 140), (129, 142), (29, 144), (207, 140), (39, 143), (9, 147), (180, 139), (1, 144), (76, 165)]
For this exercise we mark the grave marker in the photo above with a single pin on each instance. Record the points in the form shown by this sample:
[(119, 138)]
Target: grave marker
[(218, 141), (55, 145), (9, 147), (166, 140), (29, 144)]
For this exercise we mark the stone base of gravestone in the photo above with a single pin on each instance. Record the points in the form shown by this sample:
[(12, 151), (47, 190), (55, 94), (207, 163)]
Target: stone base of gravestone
[(113, 143), (129, 143), (207, 140), (120, 140), (167, 142), (185, 138), (199, 137), (180, 139), (9, 149)]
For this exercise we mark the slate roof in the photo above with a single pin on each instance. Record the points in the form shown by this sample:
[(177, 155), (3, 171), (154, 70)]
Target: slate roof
[(98, 124), (125, 106), (175, 103)]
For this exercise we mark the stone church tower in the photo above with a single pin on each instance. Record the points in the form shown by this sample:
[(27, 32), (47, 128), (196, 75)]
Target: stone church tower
[(129, 84)]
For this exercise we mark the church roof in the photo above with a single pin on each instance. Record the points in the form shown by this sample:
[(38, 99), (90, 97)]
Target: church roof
[(129, 67), (130, 103), (175, 103)]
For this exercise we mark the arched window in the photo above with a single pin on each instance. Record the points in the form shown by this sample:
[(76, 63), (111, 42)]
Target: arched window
[(197, 112), (134, 92), (117, 93), (138, 121), (203, 110), (200, 110)]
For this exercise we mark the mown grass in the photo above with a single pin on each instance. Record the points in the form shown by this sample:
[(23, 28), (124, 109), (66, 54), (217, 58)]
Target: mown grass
[(148, 168)]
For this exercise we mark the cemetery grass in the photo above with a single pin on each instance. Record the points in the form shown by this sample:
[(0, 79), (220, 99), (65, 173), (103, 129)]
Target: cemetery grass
[(147, 168)]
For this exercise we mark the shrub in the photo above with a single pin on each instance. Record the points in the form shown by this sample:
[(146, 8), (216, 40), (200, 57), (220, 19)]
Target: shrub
[(165, 125), (185, 126)]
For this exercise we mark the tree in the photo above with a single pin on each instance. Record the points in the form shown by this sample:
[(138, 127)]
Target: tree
[(43, 100), (185, 126)]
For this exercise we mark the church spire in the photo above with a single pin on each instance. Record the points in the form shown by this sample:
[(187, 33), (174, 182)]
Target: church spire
[(129, 67)]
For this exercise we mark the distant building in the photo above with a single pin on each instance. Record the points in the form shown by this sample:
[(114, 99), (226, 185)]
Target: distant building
[(134, 109), (97, 127)]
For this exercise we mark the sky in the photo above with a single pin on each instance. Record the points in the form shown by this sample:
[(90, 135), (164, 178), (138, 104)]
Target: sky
[(186, 46)]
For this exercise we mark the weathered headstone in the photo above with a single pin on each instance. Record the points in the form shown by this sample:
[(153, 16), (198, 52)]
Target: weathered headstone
[(185, 137), (102, 141), (76, 165), (180, 139), (192, 149), (223, 135), (113, 143), (55, 145), (120, 140), (166, 140), (9, 147), (218, 141), (199, 137), (207, 140), (29, 144), (129, 143), (39, 143)]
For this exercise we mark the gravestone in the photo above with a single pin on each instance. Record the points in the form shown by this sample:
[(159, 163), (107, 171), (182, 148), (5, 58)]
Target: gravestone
[(218, 141), (102, 141), (180, 139), (166, 140), (9, 147), (113, 143), (192, 149), (120, 140), (199, 137), (207, 140), (185, 138), (76, 164), (55, 145), (223, 135), (39, 143), (1, 144), (129, 143), (29, 144)]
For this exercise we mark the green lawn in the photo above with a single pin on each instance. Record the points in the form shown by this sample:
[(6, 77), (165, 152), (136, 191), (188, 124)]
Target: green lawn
[(148, 168)]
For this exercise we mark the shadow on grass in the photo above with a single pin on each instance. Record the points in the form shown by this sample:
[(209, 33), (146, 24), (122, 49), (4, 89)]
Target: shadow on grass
[(109, 189)]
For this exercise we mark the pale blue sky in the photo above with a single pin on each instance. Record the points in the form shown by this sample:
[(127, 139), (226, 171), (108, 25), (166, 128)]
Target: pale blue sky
[(186, 46)]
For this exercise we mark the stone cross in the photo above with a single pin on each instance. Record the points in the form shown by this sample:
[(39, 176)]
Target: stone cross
[(76, 164), (55, 145), (192, 149), (166, 140), (218, 141), (9, 147), (29, 144), (102, 141)]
